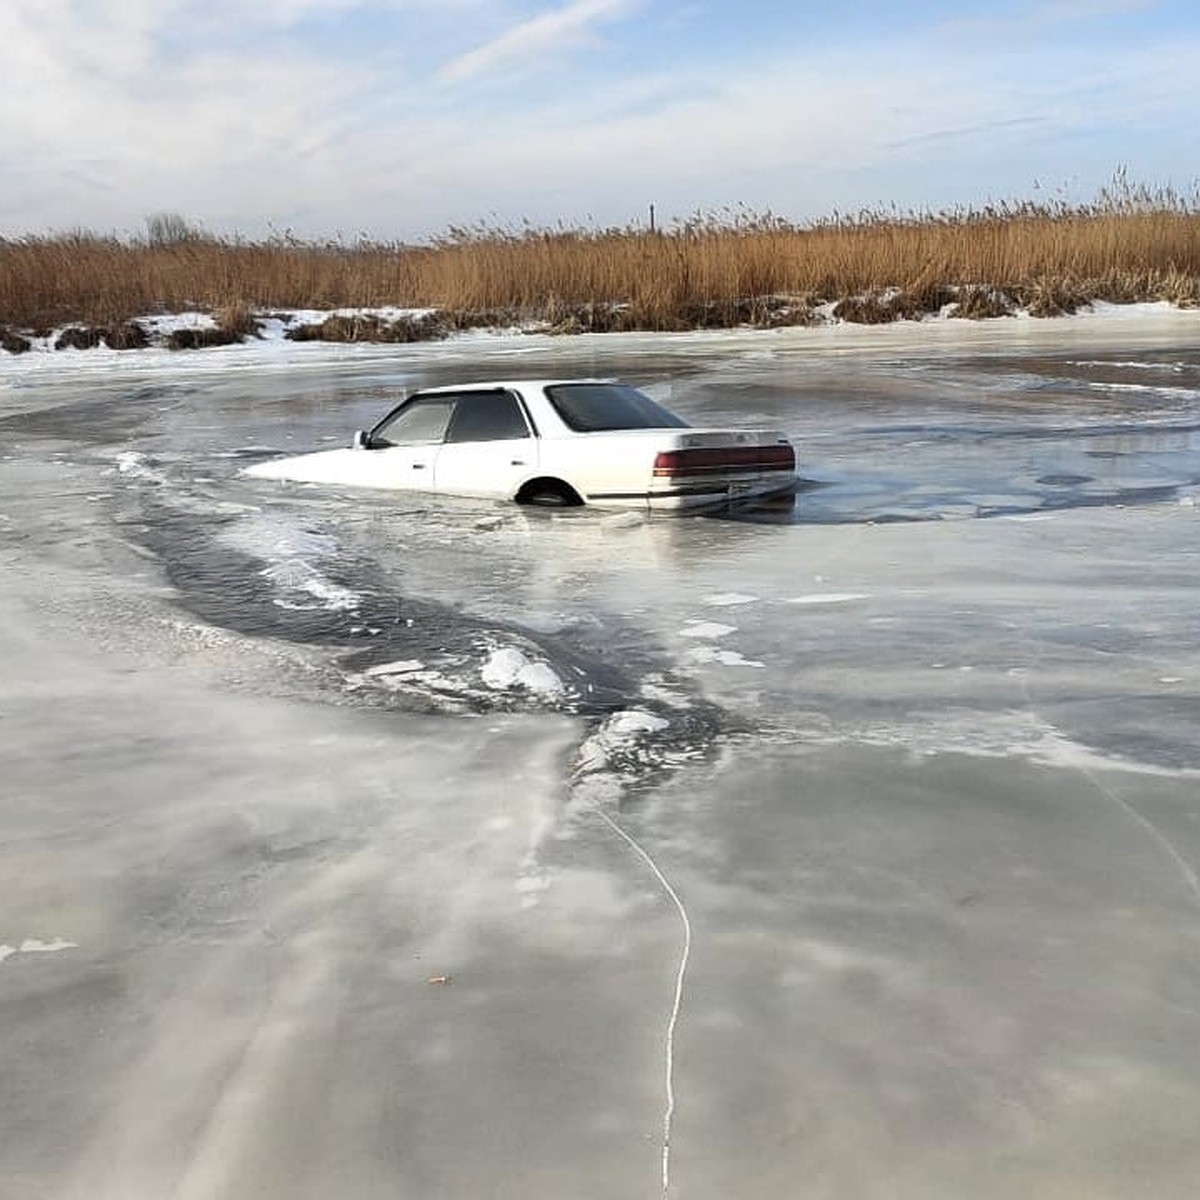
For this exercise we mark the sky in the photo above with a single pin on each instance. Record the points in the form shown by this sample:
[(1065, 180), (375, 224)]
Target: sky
[(402, 119)]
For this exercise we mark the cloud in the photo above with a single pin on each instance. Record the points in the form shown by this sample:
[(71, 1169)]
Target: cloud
[(160, 125), (964, 131), (238, 117), (921, 130), (548, 34), (288, 13)]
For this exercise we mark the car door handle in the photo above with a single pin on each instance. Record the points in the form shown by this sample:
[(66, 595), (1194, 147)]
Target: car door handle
[(518, 462), (418, 466)]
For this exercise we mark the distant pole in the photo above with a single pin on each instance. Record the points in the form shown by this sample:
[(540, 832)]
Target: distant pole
[(652, 218)]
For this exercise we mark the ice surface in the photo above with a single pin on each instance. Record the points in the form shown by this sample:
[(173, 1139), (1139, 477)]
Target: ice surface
[(932, 808)]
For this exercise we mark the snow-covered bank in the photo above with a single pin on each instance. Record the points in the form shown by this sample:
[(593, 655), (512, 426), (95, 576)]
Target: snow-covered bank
[(1101, 326)]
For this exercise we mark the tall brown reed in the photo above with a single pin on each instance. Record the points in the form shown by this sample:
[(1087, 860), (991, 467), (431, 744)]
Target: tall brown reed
[(1131, 243)]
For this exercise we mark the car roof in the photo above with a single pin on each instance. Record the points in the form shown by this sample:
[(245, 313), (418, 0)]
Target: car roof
[(491, 385)]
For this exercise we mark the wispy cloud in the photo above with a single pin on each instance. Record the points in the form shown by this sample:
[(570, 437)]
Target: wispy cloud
[(963, 131), (325, 115), (296, 12), (549, 33)]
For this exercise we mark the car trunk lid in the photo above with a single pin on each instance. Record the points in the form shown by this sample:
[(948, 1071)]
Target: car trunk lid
[(725, 456)]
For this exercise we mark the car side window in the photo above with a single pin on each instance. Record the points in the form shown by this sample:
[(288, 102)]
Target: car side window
[(416, 424), (487, 417)]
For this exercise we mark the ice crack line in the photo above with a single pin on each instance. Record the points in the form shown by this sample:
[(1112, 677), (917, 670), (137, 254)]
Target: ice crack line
[(669, 1055), (1164, 843)]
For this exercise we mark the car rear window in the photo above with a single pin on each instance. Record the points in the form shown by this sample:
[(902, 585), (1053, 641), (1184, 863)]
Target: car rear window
[(594, 407)]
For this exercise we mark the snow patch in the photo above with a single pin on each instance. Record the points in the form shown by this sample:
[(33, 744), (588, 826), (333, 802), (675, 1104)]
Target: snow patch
[(655, 689), (507, 667), (36, 946), (163, 324), (404, 666), (1176, 368), (137, 466), (725, 658), (818, 598), (617, 737), (706, 629), (728, 599), (632, 721)]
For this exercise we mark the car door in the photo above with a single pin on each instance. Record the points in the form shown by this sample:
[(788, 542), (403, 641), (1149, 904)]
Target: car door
[(490, 447), (403, 448)]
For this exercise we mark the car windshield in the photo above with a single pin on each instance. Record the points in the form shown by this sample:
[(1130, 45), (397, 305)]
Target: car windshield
[(593, 407)]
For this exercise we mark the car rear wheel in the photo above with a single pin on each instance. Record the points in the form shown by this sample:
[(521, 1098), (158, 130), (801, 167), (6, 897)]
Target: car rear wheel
[(549, 493)]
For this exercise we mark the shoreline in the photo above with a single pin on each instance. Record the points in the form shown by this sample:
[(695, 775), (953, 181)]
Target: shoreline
[(393, 327), (1103, 329)]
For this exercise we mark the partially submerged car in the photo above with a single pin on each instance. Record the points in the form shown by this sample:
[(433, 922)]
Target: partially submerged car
[(551, 442)]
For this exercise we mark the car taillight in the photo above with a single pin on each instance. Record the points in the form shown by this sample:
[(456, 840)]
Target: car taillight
[(716, 460)]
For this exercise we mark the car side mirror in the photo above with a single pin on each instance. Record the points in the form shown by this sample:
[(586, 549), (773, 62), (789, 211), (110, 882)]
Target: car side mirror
[(361, 440)]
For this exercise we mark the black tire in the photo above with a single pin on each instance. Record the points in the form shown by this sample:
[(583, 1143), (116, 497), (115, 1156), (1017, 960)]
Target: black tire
[(549, 493)]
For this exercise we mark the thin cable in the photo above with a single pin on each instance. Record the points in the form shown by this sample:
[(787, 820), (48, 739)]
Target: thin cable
[(669, 1113)]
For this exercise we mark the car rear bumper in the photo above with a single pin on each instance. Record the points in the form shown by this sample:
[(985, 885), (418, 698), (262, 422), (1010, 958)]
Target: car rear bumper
[(692, 496)]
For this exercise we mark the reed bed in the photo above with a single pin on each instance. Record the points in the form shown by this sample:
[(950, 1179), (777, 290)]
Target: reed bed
[(732, 267)]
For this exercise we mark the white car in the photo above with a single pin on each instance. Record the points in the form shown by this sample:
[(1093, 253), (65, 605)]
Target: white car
[(551, 442)]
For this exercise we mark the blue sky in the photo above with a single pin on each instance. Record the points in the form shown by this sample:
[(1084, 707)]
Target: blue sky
[(400, 118)]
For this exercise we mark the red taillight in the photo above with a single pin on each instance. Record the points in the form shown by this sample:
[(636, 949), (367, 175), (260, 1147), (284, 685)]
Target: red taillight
[(723, 459)]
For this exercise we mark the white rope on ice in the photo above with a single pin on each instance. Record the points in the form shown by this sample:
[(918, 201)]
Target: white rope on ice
[(669, 1112)]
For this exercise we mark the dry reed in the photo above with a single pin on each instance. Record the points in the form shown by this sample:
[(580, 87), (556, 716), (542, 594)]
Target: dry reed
[(733, 267)]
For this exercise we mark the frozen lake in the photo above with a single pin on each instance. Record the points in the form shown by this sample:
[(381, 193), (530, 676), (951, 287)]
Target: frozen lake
[(356, 845)]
